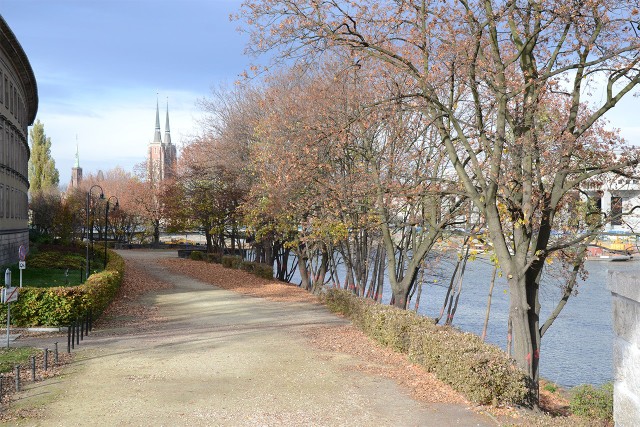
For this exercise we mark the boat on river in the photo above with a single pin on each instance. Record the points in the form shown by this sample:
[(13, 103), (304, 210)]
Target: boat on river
[(617, 250)]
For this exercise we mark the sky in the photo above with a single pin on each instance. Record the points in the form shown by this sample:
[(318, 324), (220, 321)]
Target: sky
[(100, 66)]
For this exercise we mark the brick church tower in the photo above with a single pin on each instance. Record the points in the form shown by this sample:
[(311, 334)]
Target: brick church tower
[(76, 172), (162, 154)]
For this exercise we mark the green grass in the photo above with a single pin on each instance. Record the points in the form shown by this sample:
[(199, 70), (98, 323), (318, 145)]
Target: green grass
[(44, 277), (10, 357), (49, 277)]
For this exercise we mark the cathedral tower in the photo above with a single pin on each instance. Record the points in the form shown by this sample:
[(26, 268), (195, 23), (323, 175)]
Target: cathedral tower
[(76, 171), (162, 154)]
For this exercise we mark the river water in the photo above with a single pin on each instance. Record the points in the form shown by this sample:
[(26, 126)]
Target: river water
[(576, 349)]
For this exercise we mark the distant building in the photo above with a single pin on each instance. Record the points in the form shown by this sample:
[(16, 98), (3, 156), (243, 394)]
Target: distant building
[(617, 197), (162, 154), (76, 172), (18, 107)]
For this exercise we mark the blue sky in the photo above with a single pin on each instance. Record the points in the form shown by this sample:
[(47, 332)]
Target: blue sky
[(101, 64)]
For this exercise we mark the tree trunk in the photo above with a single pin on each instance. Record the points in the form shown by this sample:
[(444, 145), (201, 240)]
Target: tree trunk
[(446, 296), (525, 333), (486, 317), (452, 309), (318, 280), (207, 236), (156, 233), (380, 287)]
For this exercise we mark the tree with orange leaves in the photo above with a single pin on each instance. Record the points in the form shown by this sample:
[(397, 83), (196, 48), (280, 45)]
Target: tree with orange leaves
[(503, 85)]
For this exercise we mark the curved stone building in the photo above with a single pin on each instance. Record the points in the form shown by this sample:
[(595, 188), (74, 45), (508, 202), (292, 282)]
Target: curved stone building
[(18, 106)]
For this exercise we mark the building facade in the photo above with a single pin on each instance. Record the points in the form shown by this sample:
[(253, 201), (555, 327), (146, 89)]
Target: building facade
[(619, 199), (162, 154), (18, 107)]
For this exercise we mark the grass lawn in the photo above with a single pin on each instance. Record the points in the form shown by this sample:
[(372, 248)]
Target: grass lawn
[(10, 357), (49, 277)]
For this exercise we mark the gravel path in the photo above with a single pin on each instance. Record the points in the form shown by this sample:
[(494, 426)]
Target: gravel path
[(218, 358)]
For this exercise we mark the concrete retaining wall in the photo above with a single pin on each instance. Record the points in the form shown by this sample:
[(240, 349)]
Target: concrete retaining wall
[(625, 290)]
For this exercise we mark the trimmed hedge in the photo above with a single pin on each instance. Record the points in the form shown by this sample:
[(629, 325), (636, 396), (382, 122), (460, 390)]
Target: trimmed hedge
[(482, 372), (56, 260), (196, 255), (231, 261), (59, 306), (214, 258), (258, 269)]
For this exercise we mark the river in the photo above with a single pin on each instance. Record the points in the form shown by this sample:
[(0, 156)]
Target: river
[(577, 348)]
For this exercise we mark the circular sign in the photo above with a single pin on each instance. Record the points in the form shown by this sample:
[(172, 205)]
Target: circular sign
[(22, 252)]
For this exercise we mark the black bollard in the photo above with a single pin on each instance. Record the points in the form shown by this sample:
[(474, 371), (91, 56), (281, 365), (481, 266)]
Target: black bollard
[(33, 368), (69, 339), (17, 377), (86, 324), (1, 386), (81, 329), (55, 354), (46, 358), (73, 335), (77, 332)]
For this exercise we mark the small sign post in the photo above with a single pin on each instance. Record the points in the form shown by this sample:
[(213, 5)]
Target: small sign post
[(22, 252), (9, 295)]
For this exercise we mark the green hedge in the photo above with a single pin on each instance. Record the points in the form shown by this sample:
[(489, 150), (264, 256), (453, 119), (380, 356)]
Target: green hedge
[(60, 305), (56, 260), (196, 255), (214, 258), (482, 372), (588, 401), (231, 261), (258, 269)]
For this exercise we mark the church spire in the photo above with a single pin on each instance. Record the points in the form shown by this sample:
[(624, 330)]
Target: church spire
[(76, 170), (157, 137), (167, 132)]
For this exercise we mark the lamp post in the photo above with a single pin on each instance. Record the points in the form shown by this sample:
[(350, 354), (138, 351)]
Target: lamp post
[(87, 211), (106, 226)]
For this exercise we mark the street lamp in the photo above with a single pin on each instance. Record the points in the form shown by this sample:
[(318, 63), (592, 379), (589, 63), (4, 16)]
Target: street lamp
[(106, 226), (87, 211)]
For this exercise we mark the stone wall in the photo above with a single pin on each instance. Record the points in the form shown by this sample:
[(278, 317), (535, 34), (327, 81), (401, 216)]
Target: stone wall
[(625, 289), (10, 242)]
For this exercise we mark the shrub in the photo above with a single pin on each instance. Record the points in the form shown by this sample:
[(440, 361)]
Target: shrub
[(56, 260), (60, 305), (247, 266), (231, 261), (196, 256), (591, 402), (263, 270), (258, 269), (344, 303), (214, 258), (482, 372)]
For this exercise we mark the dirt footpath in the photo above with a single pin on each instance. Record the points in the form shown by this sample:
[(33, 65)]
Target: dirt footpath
[(217, 358)]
